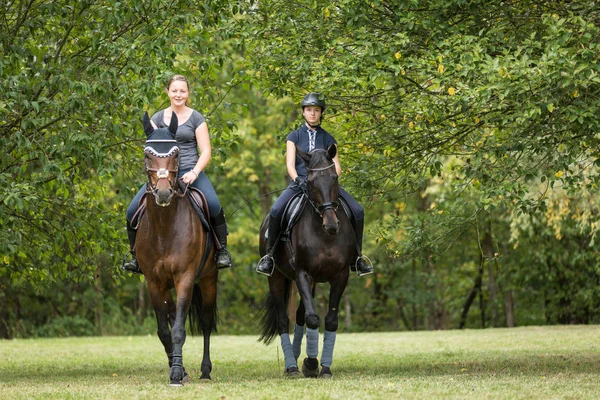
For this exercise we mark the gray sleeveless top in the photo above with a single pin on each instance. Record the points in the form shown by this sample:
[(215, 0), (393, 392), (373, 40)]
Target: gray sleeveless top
[(186, 137)]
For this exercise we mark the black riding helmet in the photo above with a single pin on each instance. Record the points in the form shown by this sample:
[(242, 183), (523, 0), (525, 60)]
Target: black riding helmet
[(314, 99)]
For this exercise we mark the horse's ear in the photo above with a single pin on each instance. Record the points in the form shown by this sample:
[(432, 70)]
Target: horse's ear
[(148, 128), (332, 151), (303, 155), (174, 124)]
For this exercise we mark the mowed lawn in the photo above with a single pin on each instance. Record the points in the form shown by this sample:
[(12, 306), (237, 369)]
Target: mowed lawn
[(561, 362)]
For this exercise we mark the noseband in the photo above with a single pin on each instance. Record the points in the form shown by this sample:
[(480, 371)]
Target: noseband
[(331, 205)]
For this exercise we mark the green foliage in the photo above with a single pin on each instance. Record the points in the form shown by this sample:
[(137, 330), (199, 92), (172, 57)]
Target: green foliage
[(76, 77), (466, 129), (67, 326)]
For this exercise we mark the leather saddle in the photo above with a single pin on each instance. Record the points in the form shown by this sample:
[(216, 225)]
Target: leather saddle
[(292, 212)]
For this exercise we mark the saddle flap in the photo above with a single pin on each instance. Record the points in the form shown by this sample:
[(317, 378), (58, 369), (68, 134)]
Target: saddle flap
[(196, 198), (291, 214)]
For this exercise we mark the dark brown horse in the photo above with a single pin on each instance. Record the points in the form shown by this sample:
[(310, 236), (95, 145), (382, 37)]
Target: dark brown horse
[(321, 248), (171, 245)]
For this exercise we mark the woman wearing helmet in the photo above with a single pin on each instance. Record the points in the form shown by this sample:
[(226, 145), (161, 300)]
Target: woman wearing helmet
[(308, 137)]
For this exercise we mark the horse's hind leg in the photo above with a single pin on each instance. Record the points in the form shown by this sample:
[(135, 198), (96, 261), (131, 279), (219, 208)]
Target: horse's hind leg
[(298, 330), (280, 288), (208, 287)]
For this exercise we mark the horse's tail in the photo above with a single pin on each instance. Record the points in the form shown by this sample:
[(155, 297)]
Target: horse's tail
[(268, 314), (196, 315)]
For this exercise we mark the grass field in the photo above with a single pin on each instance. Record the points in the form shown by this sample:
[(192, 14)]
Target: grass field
[(522, 363)]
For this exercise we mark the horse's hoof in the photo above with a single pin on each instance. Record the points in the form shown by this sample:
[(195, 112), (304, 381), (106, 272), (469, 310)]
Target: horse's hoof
[(325, 373), (292, 372), (310, 367), (205, 377), (176, 384)]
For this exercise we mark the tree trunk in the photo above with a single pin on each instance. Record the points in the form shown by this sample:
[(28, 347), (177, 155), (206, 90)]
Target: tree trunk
[(99, 312), (476, 289), (4, 315), (509, 313), (488, 253), (141, 311), (347, 311)]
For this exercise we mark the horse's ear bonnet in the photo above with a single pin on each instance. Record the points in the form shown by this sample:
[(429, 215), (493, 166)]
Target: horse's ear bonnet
[(161, 141)]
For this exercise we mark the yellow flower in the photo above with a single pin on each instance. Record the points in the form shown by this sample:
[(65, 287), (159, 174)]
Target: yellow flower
[(441, 69), (576, 93), (327, 13), (451, 91), (398, 55), (411, 125), (559, 174)]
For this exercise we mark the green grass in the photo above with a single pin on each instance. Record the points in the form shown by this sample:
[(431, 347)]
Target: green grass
[(535, 362)]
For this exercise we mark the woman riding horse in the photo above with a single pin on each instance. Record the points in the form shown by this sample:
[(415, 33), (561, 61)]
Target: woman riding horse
[(308, 137), (194, 144)]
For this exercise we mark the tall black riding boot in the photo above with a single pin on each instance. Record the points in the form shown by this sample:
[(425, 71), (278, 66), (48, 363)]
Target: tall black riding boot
[(132, 265), (266, 265), (222, 256), (361, 266)]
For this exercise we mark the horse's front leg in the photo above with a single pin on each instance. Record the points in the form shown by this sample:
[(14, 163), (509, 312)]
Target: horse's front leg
[(184, 292), (306, 288), (337, 287), (161, 299)]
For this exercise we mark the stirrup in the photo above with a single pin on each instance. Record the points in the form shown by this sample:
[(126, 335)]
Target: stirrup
[(366, 260), (224, 253), (266, 257), (128, 266)]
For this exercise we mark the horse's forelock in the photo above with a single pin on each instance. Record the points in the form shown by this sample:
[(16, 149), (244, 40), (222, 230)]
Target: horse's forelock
[(319, 158)]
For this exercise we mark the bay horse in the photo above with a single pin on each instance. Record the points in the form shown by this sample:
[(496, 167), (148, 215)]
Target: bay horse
[(321, 248), (174, 252)]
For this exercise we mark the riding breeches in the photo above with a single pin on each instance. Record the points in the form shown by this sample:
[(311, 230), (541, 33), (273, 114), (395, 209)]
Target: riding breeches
[(202, 183)]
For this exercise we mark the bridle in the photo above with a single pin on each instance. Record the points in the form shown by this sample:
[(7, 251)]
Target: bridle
[(331, 205), (163, 173)]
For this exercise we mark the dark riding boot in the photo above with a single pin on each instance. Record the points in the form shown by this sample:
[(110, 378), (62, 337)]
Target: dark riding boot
[(266, 265), (363, 265), (132, 265), (222, 256)]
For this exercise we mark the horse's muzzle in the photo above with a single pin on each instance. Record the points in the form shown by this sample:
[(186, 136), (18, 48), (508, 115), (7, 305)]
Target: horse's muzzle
[(331, 225), (163, 197)]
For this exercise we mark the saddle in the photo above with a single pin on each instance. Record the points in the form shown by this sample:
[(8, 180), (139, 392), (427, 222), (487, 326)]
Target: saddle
[(198, 202), (292, 212)]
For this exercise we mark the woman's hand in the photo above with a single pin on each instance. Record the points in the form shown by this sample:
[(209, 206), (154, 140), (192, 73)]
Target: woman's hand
[(189, 177)]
